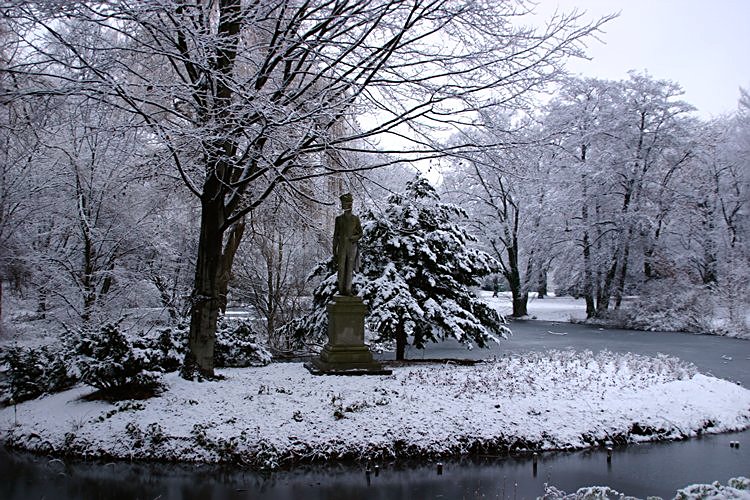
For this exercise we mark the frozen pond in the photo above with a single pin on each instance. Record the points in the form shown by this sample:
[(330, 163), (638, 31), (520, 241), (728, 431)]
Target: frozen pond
[(721, 357), (653, 469)]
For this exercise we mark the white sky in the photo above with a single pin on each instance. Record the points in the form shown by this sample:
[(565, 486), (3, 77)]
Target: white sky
[(704, 45)]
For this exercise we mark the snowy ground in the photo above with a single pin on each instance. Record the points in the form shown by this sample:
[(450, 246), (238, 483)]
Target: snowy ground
[(279, 414), (737, 488), (550, 308)]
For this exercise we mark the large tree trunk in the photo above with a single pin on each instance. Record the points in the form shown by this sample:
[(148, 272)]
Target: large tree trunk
[(588, 276), (513, 276), (208, 291), (520, 304), (520, 298), (604, 294), (541, 290), (588, 289), (620, 287), (227, 261), (206, 300)]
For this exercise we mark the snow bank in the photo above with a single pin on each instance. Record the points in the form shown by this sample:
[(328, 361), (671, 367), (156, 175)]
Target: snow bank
[(280, 414), (737, 488), (550, 308)]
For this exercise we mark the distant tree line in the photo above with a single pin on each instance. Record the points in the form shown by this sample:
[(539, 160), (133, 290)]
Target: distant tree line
[(157, 153), (615, 189)]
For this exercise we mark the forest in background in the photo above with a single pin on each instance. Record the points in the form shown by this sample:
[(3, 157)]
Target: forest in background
[(133, 159)]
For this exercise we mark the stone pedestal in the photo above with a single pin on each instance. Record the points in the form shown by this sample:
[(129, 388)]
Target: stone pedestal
[(346, 352)]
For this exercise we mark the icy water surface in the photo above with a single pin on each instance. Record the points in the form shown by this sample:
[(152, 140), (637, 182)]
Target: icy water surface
[(639, 470)]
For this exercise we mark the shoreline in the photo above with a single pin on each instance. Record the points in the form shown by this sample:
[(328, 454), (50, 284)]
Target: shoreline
[(279, 416)]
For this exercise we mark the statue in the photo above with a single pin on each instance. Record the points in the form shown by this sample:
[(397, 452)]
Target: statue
[(346, 352), (346, 234)]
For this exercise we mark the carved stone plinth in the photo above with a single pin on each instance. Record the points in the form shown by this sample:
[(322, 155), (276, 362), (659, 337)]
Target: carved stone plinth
[(346, 352)]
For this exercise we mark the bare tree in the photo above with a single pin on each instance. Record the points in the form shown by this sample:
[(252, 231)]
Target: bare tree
[(503, 184), (622, 143), (270, 274), (243, 95)]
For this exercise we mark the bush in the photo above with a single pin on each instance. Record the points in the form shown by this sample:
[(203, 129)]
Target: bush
[(237, 346), (163, 350), (665, 305), (107, 360), (33, 371)]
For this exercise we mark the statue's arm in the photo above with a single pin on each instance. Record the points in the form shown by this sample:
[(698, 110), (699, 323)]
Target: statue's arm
[(336, 230), (357, 232)]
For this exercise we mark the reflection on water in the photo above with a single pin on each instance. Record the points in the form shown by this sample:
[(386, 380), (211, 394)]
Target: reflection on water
[(654, 469)]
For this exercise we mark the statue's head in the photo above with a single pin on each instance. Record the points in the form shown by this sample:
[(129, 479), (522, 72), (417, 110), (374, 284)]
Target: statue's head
[(346, 201)]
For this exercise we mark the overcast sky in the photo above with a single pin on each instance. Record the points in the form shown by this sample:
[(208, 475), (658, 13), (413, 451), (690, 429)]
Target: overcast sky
[(704, 45)]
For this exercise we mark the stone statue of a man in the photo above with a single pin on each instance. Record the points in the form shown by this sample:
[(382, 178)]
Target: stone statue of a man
[(346, 234)]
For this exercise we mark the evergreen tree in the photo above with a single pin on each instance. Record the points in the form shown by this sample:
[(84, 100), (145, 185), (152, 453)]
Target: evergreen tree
[(417, 270)]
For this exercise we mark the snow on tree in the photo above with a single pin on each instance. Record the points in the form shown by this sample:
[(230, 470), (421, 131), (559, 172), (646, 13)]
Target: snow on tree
[(270, 270), (418, 267), (504, 187), (248, 98), (621, 144)]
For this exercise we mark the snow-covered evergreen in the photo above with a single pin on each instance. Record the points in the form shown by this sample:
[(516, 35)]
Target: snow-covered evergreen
[(418, 267)]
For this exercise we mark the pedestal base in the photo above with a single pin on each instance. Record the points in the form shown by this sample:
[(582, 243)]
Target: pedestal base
[(346, 352), (318, 367)]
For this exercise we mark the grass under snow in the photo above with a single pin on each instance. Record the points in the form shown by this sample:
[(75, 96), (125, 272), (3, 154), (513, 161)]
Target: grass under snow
[(280, 414)]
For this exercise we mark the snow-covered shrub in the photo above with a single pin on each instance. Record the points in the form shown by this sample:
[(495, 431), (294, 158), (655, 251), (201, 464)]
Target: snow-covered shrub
[(162, 350), (30, 372), (107, 359), (665, 305), (737, 487), (237, 345), (588, 493)]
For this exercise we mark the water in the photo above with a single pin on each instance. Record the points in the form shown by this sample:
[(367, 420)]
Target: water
[(637, 470), (719, 356)]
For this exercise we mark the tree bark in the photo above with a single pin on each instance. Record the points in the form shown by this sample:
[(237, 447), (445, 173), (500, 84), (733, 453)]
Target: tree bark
[(588, 292), (227, 261), (513, 275), (400, 342), (620, 287), (541, 290), (604, 294), (41, 303), (199, 359), (520, 304)]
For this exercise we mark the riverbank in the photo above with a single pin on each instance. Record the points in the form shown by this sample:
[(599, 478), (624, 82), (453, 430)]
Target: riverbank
[(566, 309), (280, 415)]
